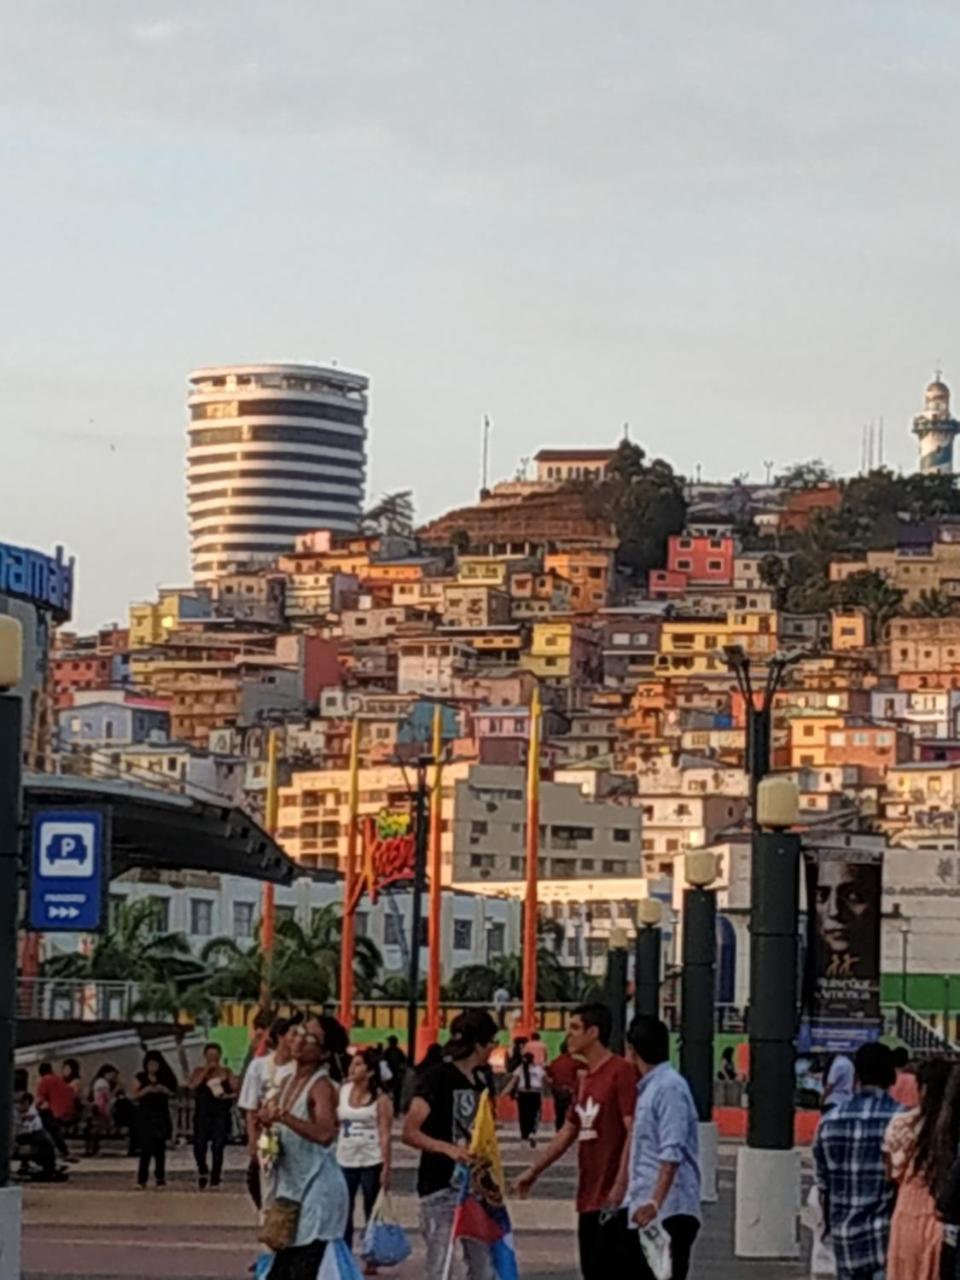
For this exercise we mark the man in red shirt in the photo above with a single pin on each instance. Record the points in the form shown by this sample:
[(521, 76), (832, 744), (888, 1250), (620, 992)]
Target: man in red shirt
[(600, 1123), (564, 1072), (56, 1103)]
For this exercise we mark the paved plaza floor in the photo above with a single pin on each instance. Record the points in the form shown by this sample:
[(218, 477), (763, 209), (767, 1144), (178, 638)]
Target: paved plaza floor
[(100, 1225)]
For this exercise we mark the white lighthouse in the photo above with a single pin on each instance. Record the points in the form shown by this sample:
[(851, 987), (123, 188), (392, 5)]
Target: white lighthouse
[(936, 430)]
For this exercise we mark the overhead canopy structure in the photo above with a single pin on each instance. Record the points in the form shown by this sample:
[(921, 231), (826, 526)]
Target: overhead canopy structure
[(167, 830)]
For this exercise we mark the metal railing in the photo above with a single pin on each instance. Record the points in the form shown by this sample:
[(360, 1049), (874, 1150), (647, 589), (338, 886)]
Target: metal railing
[(918, 1034), (74, 1000)]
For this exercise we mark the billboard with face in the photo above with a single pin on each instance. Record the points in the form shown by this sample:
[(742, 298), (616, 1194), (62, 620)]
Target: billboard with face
[(842, 978)]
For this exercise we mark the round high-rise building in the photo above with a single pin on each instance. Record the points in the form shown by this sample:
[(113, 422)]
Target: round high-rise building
[(275, 450)]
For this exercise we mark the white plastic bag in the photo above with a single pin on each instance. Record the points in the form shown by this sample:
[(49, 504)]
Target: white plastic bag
[(822, 1261), (655, 1244)]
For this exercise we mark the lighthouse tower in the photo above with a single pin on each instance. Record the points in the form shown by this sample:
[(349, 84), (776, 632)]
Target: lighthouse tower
[(936, 430)]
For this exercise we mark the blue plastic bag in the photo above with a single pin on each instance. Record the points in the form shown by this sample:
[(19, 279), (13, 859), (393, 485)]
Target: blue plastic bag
[(385, 1243), (338, 1263)]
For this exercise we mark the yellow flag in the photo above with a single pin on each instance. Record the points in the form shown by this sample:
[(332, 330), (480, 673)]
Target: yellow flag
[(484, 1145)]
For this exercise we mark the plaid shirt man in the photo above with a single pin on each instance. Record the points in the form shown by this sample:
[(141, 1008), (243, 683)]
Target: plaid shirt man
[(858, 1198)]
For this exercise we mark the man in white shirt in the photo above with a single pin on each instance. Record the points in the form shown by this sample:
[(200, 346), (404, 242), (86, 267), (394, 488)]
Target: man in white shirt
[(261, 1081)]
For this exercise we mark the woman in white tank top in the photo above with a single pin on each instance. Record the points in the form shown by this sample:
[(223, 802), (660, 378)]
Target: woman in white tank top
[(365, 1113)]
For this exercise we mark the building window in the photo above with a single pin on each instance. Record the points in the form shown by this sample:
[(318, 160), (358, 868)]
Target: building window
[(392, 931), (496, 939), (201, 917), (477, 830), (621, 835), (596, 947), (462, 935), (161, 914), (243, 918)]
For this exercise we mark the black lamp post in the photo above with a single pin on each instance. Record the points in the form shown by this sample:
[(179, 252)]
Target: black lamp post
[(420, 833), (616, 987), (11, 755), (647, 947)]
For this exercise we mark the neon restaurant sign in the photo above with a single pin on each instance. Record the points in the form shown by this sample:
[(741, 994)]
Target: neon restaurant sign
[(41, 580), (389, 854)]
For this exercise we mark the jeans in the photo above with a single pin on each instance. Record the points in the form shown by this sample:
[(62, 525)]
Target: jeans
[(53, 1127), (436, 1223), (152, 1146), (528, 1111), (210, 1130), (367, 1181)]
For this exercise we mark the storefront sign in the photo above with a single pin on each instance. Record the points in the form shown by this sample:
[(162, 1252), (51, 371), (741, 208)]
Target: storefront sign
[(41, 580)]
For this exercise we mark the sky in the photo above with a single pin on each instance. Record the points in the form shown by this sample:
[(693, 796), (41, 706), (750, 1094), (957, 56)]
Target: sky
[(730, 223)]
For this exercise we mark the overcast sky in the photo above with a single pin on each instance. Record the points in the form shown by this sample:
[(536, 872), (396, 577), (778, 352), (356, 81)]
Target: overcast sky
[(732, 223)]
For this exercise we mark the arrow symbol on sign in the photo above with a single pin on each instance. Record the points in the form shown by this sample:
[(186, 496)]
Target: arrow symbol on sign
[(62, 913)]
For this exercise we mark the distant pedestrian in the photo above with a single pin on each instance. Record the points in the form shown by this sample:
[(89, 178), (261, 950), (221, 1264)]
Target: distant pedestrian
[(916, 1232), (537, 1049), (727, 1071), (665, 1149), (153, 1089), (855, 1192), (214, 1093), (396, 1060), (365, 1113), (839, 1084), (501, 998), (56, 1104), (105, 1093), (563, 1073), (905, 1089), (600, 1123), (526, 1085)]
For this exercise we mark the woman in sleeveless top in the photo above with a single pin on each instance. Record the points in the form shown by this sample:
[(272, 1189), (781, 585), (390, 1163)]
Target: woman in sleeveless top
[(307, 1172), (365, 1113)]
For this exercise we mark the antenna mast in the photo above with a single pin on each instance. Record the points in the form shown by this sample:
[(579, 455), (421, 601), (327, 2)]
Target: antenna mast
[(486, 456)]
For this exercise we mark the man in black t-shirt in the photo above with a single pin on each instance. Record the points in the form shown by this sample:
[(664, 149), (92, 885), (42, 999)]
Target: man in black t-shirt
[(438, 1125)]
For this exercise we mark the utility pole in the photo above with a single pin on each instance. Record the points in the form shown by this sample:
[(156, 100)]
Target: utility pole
[(421, 832)]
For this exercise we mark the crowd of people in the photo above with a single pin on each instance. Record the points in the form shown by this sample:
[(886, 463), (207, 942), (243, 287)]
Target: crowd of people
[(887, 1169), (319, 1120)]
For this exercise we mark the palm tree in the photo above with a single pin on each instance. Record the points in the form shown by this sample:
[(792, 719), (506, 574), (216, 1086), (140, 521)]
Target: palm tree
[(183, 1003), (305, 964), (130, 950)]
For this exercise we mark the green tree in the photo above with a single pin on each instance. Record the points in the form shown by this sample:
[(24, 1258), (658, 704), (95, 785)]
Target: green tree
[(645, 504), (931, 604), (305, 964), (871, 591), (131, 949), (392, 514), (806, 475)]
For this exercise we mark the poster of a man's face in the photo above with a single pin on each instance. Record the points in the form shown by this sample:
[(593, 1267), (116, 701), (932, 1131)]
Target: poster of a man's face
[(846, 905)]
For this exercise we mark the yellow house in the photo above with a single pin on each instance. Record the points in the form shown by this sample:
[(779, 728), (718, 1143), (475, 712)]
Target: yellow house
[(488, 571), (695, 645), (849, 629), (151, 623), (810, 737), (562, 651), (590, 573)]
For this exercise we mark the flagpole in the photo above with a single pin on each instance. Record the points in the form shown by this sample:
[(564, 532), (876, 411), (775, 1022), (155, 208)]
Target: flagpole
[(430, 1031), (268, 911), (529, 1011), (348, 931)]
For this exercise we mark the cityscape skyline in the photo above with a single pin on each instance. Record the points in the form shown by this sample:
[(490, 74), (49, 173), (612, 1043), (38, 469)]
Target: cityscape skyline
[(656, 205)]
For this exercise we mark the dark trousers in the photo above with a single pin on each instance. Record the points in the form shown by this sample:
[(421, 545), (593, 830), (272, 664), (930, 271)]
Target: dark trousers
[(153, 1146), (253, 1182), (528, 1111), (210, 1132), (949, 1262), (299, 1262), (611, 1248), (561, 1105), (367, 1181), (52, 1126), (38, 1148)]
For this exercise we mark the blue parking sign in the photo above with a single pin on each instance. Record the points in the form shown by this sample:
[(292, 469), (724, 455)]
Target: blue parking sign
[(68, 871)]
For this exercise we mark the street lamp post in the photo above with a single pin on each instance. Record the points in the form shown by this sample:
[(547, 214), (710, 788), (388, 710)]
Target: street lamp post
[(616, 987), (768, 1169), (904, 956), (11, 754), (646, 977), (420, 832), (697, 997)]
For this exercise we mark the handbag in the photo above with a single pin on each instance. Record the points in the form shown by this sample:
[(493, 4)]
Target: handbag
[(278, 1224), (385, 1242)]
